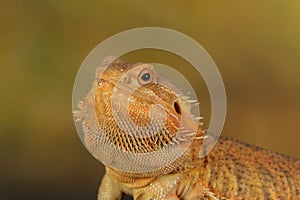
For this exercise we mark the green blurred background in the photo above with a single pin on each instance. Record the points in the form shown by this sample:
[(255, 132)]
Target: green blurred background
[(255, 44)]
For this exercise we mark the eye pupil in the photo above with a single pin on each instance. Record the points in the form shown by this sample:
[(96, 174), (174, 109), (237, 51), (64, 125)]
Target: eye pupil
[(146, 77)]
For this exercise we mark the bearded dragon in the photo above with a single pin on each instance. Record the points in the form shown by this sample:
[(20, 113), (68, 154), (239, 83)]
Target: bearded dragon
[(141, 127)]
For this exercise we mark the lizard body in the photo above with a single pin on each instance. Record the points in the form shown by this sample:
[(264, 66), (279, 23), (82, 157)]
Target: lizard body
[(232, 170)]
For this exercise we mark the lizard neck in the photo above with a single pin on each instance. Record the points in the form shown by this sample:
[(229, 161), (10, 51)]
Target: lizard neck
[(142, 179), (171, 168)]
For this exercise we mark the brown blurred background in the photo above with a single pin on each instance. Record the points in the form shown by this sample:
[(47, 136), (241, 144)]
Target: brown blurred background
[(255, 44)]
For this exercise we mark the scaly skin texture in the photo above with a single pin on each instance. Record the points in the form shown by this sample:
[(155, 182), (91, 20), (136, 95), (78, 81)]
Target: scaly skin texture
[(232, 170)]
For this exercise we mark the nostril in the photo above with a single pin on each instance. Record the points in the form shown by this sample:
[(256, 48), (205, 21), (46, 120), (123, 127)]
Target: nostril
[(177, 107)]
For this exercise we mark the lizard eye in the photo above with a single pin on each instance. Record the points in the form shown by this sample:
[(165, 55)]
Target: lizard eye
[(146, 77)]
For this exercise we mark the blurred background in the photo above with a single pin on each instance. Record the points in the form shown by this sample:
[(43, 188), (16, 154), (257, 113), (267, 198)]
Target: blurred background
[(255, 44)]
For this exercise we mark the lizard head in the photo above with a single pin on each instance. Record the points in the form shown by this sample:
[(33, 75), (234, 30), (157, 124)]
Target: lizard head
[(135, 120)]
